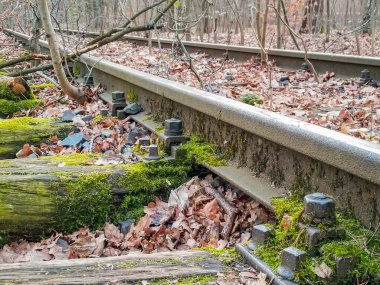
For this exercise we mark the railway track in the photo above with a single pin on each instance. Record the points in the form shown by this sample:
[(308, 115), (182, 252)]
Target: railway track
[(341, 65), (271, 153)]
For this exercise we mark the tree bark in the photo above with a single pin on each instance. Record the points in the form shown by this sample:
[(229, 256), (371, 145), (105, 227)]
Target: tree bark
[(67, 88), (29, 189)]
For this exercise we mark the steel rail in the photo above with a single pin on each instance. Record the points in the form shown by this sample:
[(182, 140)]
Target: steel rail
[(353, 155), (342, 65)]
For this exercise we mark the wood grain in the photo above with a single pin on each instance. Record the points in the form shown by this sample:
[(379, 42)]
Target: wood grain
[(128, 269)]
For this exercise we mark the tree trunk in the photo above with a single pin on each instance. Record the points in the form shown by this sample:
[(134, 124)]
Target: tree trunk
[(278, 26), (67, 88)]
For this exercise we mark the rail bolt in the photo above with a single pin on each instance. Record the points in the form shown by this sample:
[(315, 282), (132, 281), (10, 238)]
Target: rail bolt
[(117, 96), (318, 206), (260, 234), (344, 265), (144, 141), (291, 260), (365, 77), (153, 153), (312, 237), (305, 66), (173, 127), (88, 79)]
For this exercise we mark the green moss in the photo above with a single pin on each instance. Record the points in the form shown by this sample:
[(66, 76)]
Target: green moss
[(86, 201), (76, 69), (74, 159), (198, 279), (6, 93), (24, 123), (16, 132), (202, 152), (359, 243), (8, 107), (226, 255), (251, 99), (132, 96), (292, 207), (139, 151), (302, 185), (42, 86), (145, 181), (3, 72), (98, 118)]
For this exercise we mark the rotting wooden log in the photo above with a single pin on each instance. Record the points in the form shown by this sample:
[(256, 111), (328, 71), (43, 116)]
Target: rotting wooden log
[(64, 193), (129, 269), (30, 192), (16, 132)]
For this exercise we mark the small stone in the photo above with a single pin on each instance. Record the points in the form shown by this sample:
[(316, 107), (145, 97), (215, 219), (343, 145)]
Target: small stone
[(62, 243), (216, 182), (79, 111), (291, 260), (106, 134), (340, 88), (125, 226), (132, 109), (33, 155), (104, 112), (67, 116), (73, 140), (229, 77), (87, 118), (260, 233), (134, 135), (85, 146)]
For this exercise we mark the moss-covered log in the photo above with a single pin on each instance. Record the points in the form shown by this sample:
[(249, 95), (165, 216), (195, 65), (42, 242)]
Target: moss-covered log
[(39, 196), (16, 132)]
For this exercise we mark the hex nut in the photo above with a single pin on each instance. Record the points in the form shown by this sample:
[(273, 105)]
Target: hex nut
[(319, 206), (173, 127)]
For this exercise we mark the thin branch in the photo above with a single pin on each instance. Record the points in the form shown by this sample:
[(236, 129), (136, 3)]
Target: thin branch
[(303, 43)]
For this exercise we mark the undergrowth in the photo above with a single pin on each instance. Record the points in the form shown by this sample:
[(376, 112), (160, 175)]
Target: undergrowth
[(358, 242)]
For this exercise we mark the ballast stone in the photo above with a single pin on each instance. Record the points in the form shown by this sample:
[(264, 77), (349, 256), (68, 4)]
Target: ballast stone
[(67, 116), (73, 140)]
